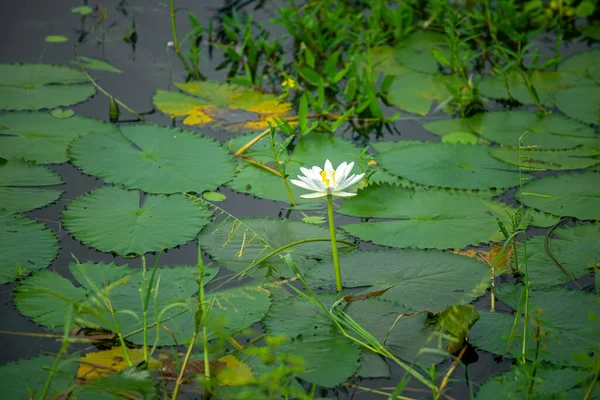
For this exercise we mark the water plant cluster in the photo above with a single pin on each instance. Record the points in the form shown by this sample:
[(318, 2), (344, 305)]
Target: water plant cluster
[(482, 238)]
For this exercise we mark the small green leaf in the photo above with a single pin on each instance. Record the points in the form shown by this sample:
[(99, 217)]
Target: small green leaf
[(56, 39), (309, 75), (98, 65), (82, 10), (459, 137), (302, 113), (314, 219), (214, 196), (62, 114)]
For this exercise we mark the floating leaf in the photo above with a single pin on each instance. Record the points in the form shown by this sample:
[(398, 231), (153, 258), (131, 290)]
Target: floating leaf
[(264, 184), (549, 131), (372, 365), (98, 65), (580, 103), (43, 138), (214, 196), (421, 280), (19, 186), (26, 379), (416, 51), (546, 83), (564, 319), (550, 382), (577, 158), (234, 372), (129, 383), (460, 137), (82, 10), (212, 101), (154, 159), (56, 39), (37, 86), (566, 195), (62, 114), (116, 220), (577, 248), (99, 364), (457, 321), (329, 357), (411, 90), (491, 255), (455, 166), (25, 246), (582, 64), (428, 218), (237, 246)]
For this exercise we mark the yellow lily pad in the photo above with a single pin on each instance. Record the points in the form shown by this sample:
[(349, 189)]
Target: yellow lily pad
[(99, 364)]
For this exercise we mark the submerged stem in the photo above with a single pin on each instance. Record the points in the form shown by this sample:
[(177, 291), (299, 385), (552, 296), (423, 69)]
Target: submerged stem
[(334, 250)]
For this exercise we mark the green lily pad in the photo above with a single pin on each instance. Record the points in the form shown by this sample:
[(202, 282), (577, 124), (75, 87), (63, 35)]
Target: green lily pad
[(56, 39), (449, 165), (116, 220), (420, 280), (577, 158), (577, 248), (460, 138), (154, 159), (514, 384), (582, 64), (445, 127), (580, 103), (238, 245), (329, 357), (46, 296), (37, 86), (565, 195), (550, 131), (98, 65), (20, 183), (42, 138), (416, 50), (25, 379), (565, 321), (425, 218), (264, 184), (25, 246)]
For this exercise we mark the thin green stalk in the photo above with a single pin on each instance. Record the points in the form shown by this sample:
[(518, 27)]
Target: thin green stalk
[(280, 167), (176, 39), (145, 306), (334, 250), (63, 348), (591, 388)]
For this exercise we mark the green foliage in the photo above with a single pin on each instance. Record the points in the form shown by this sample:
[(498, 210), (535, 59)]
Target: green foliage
[(577, 158), (19, 185), (419, 280), (43, 138), (37, 86), (116, 220), (25, 246), (97, 65), (566, 195), (154, 159)]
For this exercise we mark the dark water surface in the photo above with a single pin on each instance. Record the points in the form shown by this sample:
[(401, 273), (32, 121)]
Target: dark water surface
[(149, 66)]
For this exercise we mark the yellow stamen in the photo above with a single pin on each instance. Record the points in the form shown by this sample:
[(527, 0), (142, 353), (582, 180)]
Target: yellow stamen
[(324, 178)]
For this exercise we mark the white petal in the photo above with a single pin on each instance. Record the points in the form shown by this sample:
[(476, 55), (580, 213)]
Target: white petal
[(316, 172), (303, 185), (351, 181), (309, 182), (313, 195), (347, 172), (339, 172), (307, 172), (343, 194), (328, 167)]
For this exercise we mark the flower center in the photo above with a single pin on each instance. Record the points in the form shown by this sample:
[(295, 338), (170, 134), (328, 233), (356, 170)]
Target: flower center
[(326, 181)]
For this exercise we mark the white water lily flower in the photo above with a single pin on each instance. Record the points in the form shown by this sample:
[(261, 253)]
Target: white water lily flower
[(327, 181)]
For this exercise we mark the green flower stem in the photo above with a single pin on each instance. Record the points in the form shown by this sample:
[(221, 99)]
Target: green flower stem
[(176, 39), (334, 251)]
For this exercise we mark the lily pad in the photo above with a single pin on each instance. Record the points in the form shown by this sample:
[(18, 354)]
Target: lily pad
[(420, 280), (43, 138), (211, 103), (237, 245), (329, 357), (449, 165), (577, 248), (580, 103), (416, 51), (154, 159), (37, 86), (98, 65), (583, 65), (425, 218), (25, 379), (550, 131), (116, 220), (565, 321), (20, 183), (25, 246), (565, 195), (577, 158)]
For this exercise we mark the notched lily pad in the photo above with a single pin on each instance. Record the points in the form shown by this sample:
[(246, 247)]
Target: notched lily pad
[(221, 105), (38, 86), (125, 222)]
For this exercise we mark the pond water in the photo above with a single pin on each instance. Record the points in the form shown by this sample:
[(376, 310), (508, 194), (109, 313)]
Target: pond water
[(425, 199)]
